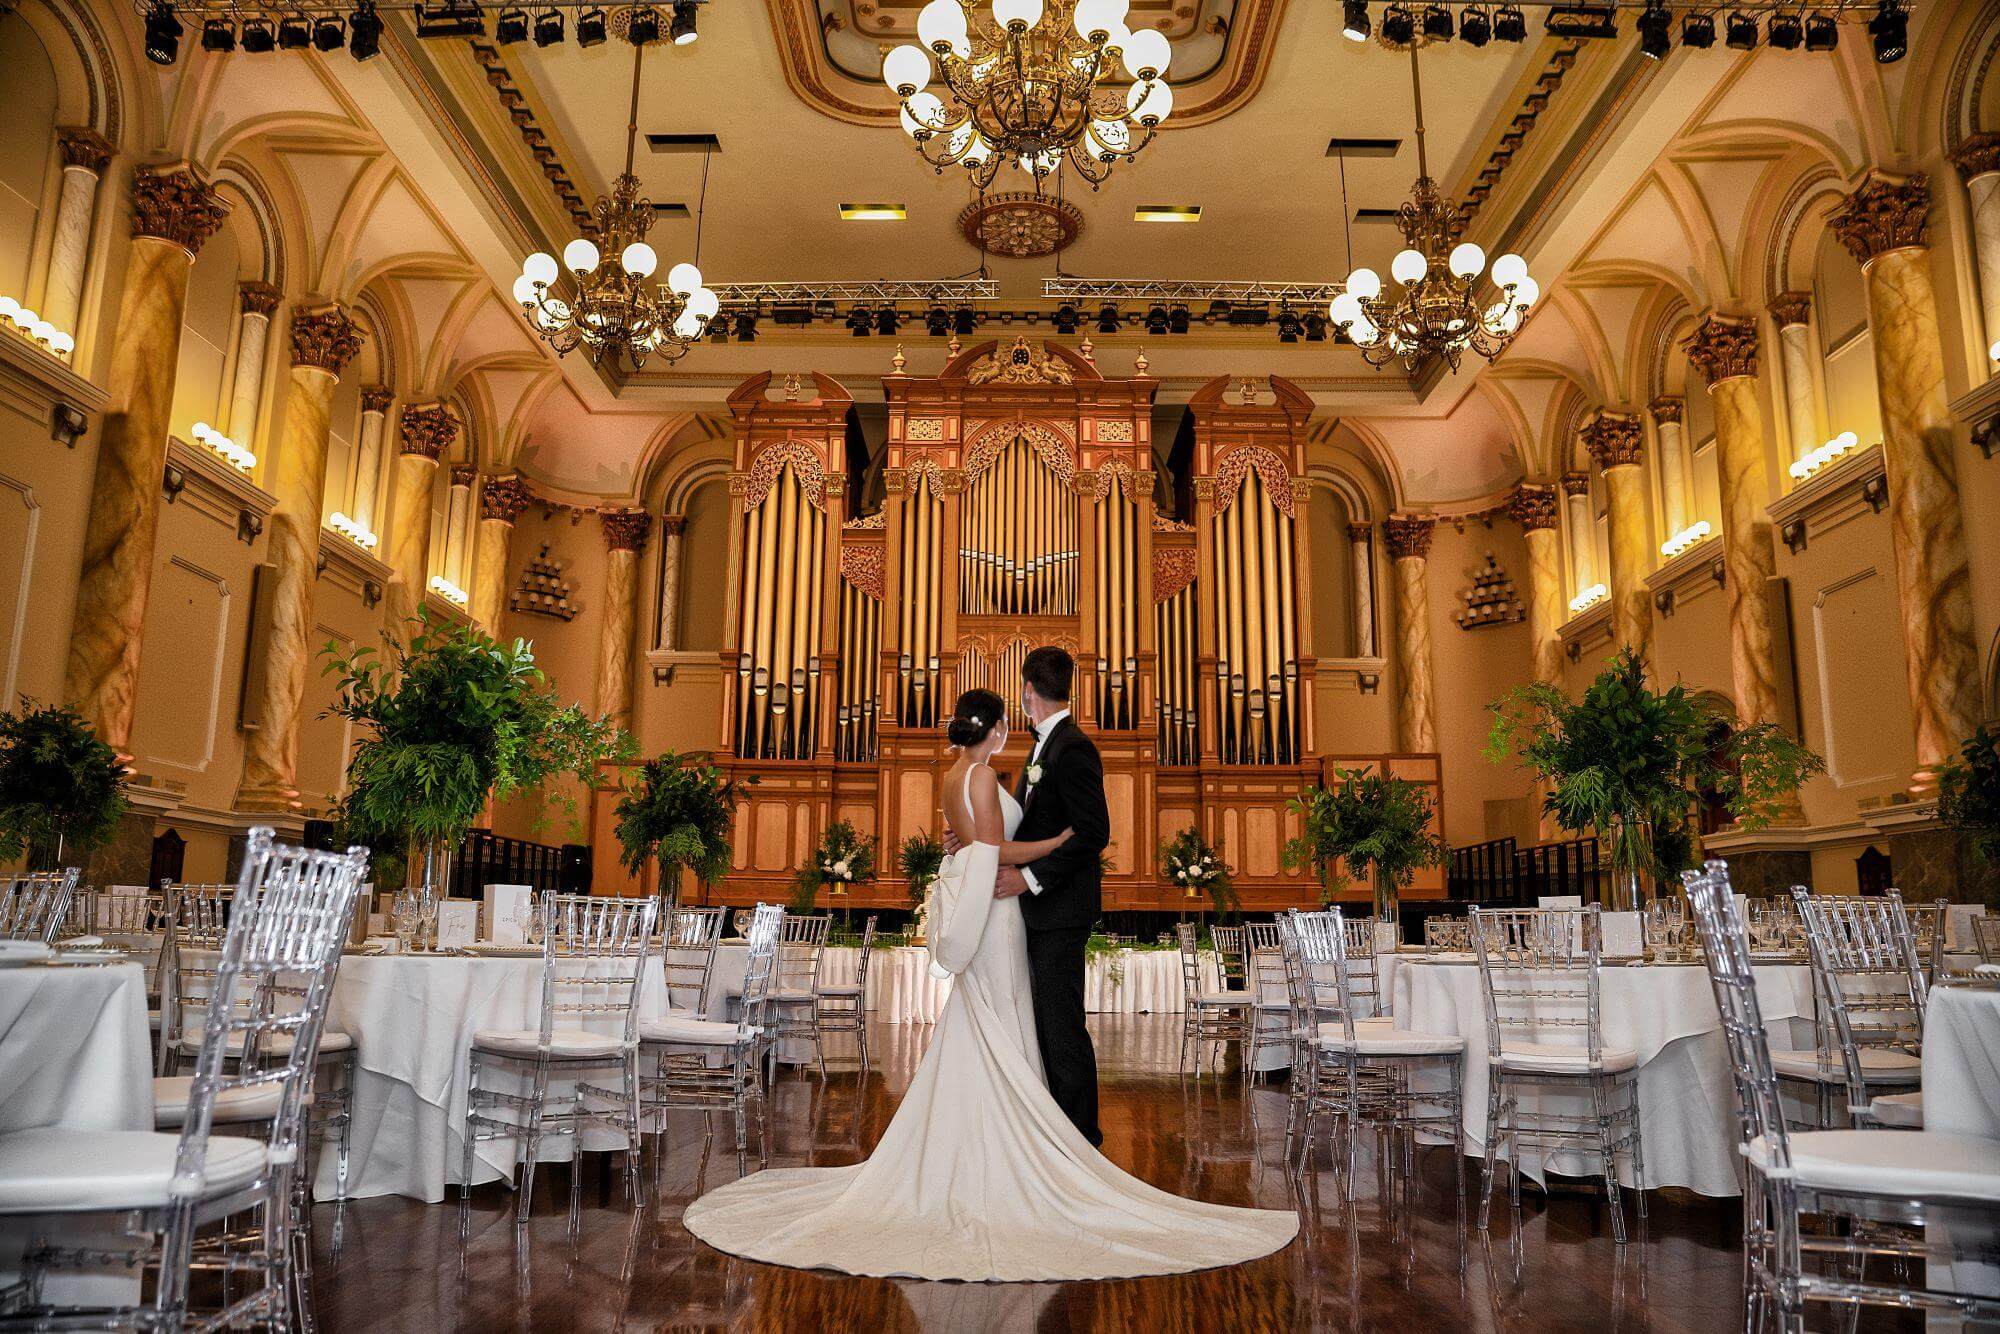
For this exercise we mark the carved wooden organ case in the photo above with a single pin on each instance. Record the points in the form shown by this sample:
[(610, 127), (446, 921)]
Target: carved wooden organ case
[(1020, 510)]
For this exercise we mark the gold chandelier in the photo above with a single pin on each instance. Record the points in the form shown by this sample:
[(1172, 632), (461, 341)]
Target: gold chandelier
[(1034, 84), (1442, 309), (606, 303)]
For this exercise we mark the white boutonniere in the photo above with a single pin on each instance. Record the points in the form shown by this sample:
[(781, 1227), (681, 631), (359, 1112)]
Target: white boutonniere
[(1034, 774)]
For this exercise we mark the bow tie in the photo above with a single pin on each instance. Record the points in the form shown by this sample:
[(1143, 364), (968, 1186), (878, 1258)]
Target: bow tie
[(1034, 733)]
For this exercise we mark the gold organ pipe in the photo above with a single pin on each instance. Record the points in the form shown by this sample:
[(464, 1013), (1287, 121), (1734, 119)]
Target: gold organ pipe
[(783, 598), (1288, 621)]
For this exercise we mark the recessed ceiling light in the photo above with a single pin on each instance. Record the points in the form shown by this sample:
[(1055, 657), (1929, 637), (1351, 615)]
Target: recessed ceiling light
[(873, 212), (1167, 213), (1344, 147)]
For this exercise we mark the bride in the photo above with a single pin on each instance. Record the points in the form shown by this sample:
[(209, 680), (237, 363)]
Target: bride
[(980, 1175)]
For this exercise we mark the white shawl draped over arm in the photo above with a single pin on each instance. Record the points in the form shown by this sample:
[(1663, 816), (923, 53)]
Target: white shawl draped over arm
[(961, 897)]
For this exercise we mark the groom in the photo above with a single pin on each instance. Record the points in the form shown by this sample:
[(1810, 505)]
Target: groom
[(1061, 787)]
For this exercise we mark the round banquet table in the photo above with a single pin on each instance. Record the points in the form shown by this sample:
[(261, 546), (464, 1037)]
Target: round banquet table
[(1666, 1012), (1962, 1060)]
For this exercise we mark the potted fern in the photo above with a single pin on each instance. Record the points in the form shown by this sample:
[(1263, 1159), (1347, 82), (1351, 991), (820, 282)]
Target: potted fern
[(1367, 824), (448, 720), (62, 789), (678, 814), (1632, 763)]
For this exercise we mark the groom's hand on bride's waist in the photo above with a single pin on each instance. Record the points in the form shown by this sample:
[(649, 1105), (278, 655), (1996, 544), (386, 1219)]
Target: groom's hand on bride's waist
[(952, 842), (1009, 883)]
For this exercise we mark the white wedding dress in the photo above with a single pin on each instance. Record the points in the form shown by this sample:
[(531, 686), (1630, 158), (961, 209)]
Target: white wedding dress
[(979, 1175)]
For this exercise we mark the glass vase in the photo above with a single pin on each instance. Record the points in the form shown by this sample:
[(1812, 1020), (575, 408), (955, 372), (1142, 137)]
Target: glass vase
[(1627, 878), (432, 860), (1388, 911)]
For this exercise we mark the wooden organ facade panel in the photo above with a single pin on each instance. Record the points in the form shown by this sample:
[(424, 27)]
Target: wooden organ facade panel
[(1020, 510)]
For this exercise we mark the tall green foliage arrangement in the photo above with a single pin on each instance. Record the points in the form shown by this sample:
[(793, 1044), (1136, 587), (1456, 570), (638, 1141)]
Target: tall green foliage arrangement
[(844, 858), (62, 789), (449, 719), (1969, 793), (1371, 825), (1193, 866), (1632, 762), (918, 859), (680, 813)]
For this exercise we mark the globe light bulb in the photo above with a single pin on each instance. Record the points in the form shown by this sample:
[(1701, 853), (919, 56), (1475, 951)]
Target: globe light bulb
[(9, 308), (1527, 291), (1467, 260), (922, 114), (1364, 332), (639, 260), (1846, 440), (906, 70), (704, 303), (540, 268), (1509, 269), (1150, 103), (942, 23), (63, 343), (688, 325), (42, 331), (977, 151), (24, 318), (1409, 266), (580, 255), (1344, 309), (1147, 54), (1116, 35), (524, 290), (1027, 13), (1095, 16), (1365, 284), (201, 431), (683, 280)]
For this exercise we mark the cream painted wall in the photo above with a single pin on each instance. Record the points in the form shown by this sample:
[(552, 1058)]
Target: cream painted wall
[(44, 496)]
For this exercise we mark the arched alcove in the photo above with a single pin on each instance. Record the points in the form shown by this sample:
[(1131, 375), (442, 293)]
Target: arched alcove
[(26, 154)]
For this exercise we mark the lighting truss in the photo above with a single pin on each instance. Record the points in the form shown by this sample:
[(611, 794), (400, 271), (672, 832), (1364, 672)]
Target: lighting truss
[(950, 291), (1130, 289)]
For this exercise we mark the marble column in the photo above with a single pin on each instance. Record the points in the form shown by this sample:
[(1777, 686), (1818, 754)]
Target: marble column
[(424, 431), (1535, 507), (1615, 440), (672, 528), (458, 527), (1883, 224), (1676, 470), (625, 533), (1408, 539), (1725, 353), (1792, 313), (1582, 530), (174, 212), (324, 341), (85, 154), (1359, 537), (375, 403), (246, 382), (1978, 160), (501, 502)]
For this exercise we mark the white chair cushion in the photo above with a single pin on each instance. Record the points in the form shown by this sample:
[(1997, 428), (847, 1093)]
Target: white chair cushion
[(55, 1171), (1891, 1162), (1556, 1059), (258, 1102), (688, 1029), (1877, 1065), (277, 1045), (845, 989), (1902, 1111), (1231, 998), (792, 996), (564, 1043), (1381, 1037)]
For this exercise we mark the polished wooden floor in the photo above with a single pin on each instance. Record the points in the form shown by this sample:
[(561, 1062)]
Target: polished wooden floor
[(1406, 1262)]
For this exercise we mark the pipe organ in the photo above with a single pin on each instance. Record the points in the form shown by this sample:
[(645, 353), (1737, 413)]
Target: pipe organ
[(1019, 510)]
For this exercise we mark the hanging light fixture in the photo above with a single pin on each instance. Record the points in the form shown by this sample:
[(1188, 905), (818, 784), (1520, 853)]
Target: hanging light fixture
[(1440, 310), (611, 306), (1031, 83)]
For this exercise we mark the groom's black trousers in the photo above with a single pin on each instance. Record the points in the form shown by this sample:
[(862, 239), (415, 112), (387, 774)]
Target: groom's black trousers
[(1055, 959)]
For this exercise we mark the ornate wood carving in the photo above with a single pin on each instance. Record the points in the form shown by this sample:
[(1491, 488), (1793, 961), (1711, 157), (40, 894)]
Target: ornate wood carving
[(175, 203), (1408, 536), (1173, 570), (1241, 461), (1791, 308), (772, 459), (1884, 213), (1021, 362), (505, 498), (260, 298), (1534, 506), (324, 337), (377, 398), (81, 146), (625, 530), (427, 430), (862, 567), (1614, 440), (1049, 446), (1722, 349)]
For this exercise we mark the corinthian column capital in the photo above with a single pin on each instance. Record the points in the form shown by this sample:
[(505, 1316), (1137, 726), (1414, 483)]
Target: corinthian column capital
[(324, 338), (377, 398), (1667, 409), (1408, 536), (1535, 506), (1791, 308), (625, 530), (505, 498), (1576, 483), (1884, 213), (81, 146), (258, 298), (1722, 349), (1977, 155), (173, 202), (427, 430), (1614, 440)]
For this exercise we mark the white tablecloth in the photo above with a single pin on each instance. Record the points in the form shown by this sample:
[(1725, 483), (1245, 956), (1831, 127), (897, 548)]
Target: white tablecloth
[(1962, 1061), (1667, 1014)]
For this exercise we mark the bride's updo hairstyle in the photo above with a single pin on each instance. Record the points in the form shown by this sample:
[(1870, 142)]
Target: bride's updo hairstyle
[(974, 717)]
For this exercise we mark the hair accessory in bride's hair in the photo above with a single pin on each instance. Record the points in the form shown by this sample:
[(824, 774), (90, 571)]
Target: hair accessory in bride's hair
[(976, 720)]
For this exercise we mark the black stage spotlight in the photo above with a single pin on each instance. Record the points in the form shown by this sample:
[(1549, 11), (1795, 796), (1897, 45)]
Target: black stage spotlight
[(1784, 31), (1177, 320), (1475, 28), (1822, 33), (163, 34), (887, 321), (511, 27), (1066, 319), (1354, 20), (937, 321), (1107, 319), (681, 30), (1698, 31), (548, 27), (1509, 25), (258, 37), (1289, 325), (645, 26), (590, 26), (859, 322), (451, 18), (1156, 319), (329, 33), (746, 326), (1742, 33), (1398, 27), (217, 35), (1654, 26), (294, 33), (1316, 322), (963, 320), (1891, 30), (364, 32), (1437, 23)]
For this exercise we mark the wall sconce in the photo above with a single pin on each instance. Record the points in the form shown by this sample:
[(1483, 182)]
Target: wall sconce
[(67, 424), (249, 527), (172, 482), (1370, 682)]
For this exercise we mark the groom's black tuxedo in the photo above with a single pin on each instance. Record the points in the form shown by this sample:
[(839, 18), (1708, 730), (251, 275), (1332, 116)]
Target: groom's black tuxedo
[(1069, 796)]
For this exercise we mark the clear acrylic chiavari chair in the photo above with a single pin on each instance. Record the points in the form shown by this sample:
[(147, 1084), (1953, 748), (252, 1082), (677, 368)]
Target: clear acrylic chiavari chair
[(689, 962), (1541, 977), (140, 924), (1209, 1017), (1986, 938), (706, 1064), (1231, 969), (842, 1007), (1448, 935), (1270, 998), (1869, 992), (1819, 1205), (794, 988), (594, 953), (170, 1191), (34, 906)]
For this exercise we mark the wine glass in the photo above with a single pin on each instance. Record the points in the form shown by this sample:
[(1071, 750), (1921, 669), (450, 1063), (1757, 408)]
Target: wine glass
[(427, 915), (403, 915)]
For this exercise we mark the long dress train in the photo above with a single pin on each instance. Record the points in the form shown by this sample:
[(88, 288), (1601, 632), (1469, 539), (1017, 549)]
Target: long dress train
[(979, 1175)]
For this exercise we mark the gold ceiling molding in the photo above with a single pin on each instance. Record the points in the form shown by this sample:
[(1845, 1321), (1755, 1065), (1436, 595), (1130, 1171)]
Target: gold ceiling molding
[(1021, 225), (515, 103), (1532, 107), (808, 72)]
